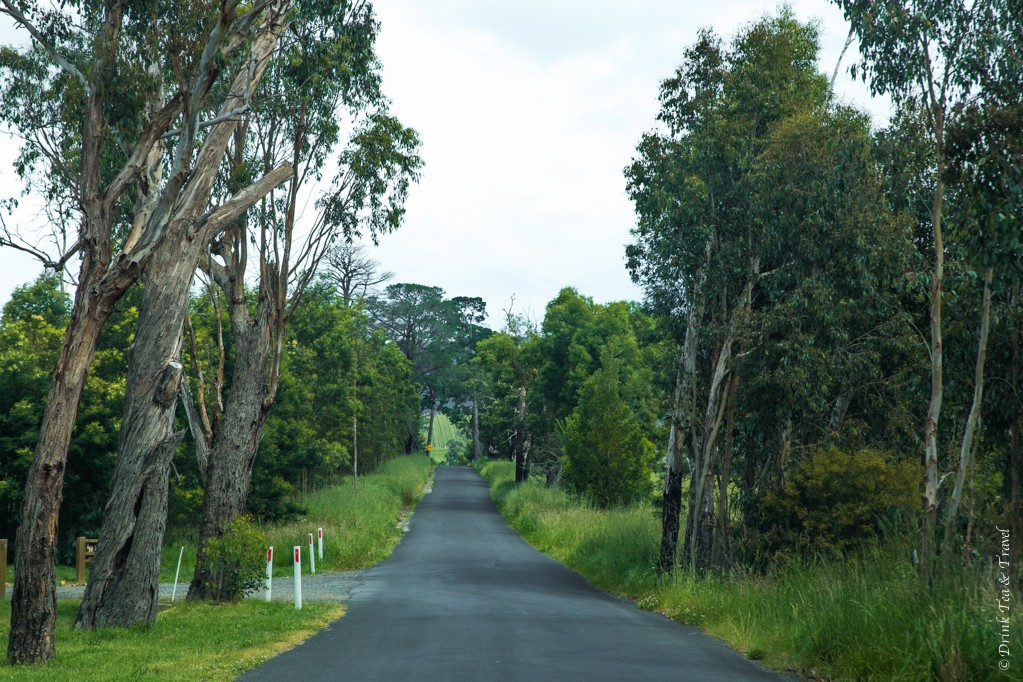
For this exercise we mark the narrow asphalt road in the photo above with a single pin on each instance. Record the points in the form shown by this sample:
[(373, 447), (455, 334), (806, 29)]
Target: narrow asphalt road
[(463, 597)]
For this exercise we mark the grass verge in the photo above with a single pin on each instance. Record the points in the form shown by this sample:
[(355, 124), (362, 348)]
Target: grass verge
[(202, 641), (860, 617), (360, 525), (188, 642)]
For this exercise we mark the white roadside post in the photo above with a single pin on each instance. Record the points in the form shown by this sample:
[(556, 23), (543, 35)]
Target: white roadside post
[(319, 539), (312, 556), (268, 585), (174, 592), (298, 577)]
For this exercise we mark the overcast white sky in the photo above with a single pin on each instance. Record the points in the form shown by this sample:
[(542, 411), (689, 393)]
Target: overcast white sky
[(528, 112)]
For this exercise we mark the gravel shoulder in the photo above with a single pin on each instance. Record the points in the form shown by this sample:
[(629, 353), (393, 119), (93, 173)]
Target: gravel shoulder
[(320, 587)]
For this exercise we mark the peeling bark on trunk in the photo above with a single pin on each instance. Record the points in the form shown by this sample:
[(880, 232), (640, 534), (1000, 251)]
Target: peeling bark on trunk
[(700, 526), (122, 585), (719, 550), (34, 596), (253, 392), (122, 582), (678, 438), (671, 507), (929, 519), (682, 431), (978, 399)]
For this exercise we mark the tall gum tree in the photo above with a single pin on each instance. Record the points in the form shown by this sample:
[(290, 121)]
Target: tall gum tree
[(124, 577), (324, 82), (696, 249), (933, 54), (124, 189)]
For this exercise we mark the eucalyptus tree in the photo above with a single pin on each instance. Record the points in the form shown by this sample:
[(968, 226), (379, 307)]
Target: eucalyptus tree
[(461, 385), (697, 247), (130, 71), (504, 365), (764, 240), (985, 167), (122, 588), (323, 86), (932, 54)]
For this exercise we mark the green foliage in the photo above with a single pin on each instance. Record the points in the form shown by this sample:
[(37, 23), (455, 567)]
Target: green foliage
[(835, 500), (359, 524), (502, 366), (43, 299), (31, 334), (334, 368), (607, 457), (577, 338), (237, 559)]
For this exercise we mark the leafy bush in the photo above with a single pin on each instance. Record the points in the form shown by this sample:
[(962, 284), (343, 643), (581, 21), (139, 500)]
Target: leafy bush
[(237, 557), (835, 500), (607, 457)]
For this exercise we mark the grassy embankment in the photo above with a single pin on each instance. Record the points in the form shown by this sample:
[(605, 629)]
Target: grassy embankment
[(217, 642), (862, 617)]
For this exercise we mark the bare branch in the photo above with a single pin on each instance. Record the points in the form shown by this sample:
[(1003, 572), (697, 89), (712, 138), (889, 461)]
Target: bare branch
[(229, 116)]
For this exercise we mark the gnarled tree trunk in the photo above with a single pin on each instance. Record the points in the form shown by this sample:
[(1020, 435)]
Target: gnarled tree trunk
[(34, 596), (700, 526), (122, 582), (229, 470)]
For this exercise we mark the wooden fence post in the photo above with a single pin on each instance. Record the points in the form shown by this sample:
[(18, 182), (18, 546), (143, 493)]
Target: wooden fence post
[(80, 560), (85, 549)]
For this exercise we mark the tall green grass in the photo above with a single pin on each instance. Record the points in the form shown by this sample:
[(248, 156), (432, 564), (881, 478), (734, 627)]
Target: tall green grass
[(865, 616), (615, 549), (360, 525)]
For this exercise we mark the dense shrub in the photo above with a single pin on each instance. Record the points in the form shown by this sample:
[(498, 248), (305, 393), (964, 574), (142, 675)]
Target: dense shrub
[(834, 500), (238, 560)]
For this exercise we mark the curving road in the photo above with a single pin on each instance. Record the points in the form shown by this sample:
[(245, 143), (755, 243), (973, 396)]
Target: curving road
[(463, 597)]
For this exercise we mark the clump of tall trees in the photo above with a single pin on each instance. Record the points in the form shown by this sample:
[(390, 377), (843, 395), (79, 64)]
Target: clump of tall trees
[(575, 399), (830, 330), (165, 140), (803, 261)]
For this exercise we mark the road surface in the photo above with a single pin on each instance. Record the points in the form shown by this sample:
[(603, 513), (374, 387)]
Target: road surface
[(463, 597)]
